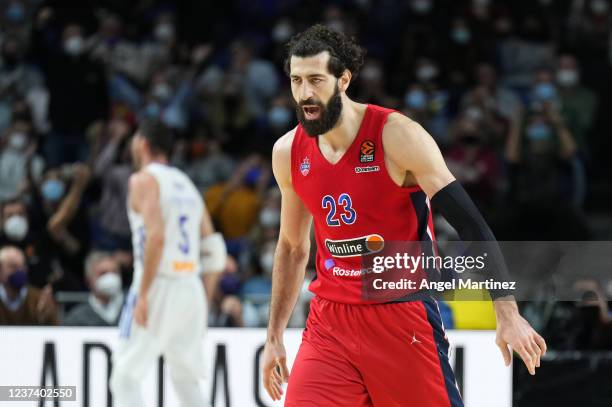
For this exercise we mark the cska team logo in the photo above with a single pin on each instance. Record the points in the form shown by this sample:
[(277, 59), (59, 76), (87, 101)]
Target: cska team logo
[(305, 166)]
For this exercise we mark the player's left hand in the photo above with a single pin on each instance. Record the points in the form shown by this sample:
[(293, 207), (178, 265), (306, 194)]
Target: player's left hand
[(514, 330), (141, 311)]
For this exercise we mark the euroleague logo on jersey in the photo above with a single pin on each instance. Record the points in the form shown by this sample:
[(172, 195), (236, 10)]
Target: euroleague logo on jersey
[(358, 246), (305, 166), (366, 152)]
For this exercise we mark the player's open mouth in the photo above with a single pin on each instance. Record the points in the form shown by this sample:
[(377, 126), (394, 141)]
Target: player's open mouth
[(311, 112)]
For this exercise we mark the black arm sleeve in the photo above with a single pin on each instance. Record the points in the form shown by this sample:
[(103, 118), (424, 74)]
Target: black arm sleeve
[(457, 207)]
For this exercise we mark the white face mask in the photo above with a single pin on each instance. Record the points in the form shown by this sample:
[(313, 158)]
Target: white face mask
[(73, 46), (426, 72), (269, 218), (282, 32), (162, 91), (599, 7), (18, 140), (422, 6), (266, 260), (108, 284), (16, 227), (164, 31), (567, 77)]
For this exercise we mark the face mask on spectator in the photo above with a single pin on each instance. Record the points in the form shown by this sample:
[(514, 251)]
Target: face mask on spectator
[(282, 32), (474, 113), (426, 72), (164, 31), (422, 6), (18, 140), (108, 284), (53, 190), (15, 13), (18, 279), (599, 7), (279, 116), (266, 261), (545, 92), (162, 91), (269, 217), (73, 46), (567, 77), (538, 132), (152, 110), (461, 35), (16, 227), (416, 99)]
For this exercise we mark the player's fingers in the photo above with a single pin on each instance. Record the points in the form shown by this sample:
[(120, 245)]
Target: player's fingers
[(535, 352), (527, 359), (541, 344), (276, 388), (269, 386), (503, 347), (277, 377), (282, 364), (266, 383)]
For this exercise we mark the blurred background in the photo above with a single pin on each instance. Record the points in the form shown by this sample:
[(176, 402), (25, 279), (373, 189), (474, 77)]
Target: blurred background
[(517, 94)]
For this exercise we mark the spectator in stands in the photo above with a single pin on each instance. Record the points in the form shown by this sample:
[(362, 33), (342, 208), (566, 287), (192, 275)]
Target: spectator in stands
[(19, 164), (112, 167), (106, 297), (62, 215), (225, 306), (490, 94), (19, 81), (578, 103), (539, 153), (473, 161), (234, 205), (79, 96), (15, 224), (21, 303), (207, 164)]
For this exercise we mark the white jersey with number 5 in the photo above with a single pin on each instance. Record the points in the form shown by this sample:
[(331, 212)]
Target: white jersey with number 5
[(182, 208)]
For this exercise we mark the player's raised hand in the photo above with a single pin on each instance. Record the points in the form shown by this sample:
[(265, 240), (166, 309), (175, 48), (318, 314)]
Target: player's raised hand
[(141, 310), (514, 330), (274, 371)]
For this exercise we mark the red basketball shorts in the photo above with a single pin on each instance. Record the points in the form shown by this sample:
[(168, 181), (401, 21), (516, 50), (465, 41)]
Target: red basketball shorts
[(387, 355)]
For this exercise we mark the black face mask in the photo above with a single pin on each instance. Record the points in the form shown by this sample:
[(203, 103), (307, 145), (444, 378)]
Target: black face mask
[(330, 114)]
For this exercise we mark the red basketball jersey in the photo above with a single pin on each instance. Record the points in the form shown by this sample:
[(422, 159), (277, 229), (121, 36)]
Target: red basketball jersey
[(356, 207)]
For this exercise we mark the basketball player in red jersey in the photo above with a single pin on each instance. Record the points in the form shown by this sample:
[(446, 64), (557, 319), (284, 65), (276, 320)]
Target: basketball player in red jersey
[(364, 174)]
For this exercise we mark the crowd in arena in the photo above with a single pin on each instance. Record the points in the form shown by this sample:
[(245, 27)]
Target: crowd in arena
[(513, 93)]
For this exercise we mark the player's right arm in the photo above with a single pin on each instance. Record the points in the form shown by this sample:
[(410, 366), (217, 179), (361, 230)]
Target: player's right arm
[(143, 198), (289, 267)]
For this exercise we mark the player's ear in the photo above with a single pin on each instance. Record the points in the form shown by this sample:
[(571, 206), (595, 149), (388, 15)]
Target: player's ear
[(344, 80)]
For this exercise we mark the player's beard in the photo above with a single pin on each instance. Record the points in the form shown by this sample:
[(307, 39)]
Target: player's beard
[(328, 117)]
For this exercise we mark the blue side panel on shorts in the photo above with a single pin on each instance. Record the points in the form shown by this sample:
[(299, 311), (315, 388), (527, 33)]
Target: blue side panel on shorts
[(433, 316), (125, 322)]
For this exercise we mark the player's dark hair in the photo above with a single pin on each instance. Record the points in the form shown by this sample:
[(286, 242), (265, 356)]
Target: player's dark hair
[(344, 51), (158, 135)]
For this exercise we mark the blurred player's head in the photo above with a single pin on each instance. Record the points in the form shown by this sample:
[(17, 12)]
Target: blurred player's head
[(321, 63), (152, 142)]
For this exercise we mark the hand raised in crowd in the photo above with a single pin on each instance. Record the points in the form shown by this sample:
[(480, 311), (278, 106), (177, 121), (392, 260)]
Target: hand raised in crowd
[(46, 307), (118, 130)]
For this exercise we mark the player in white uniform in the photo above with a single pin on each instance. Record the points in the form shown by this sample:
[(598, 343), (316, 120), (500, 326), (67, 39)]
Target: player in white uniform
[(173, 240)]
